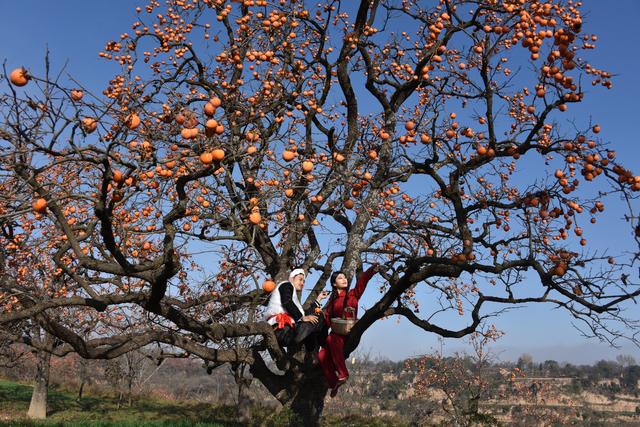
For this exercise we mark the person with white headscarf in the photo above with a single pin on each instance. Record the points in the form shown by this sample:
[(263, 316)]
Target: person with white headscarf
[(286, 314)]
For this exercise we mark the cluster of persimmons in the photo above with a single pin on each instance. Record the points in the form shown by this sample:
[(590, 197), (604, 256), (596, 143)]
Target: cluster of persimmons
[(253, 128)]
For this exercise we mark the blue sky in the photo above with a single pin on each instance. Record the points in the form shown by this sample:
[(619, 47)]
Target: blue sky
[(75, 31)]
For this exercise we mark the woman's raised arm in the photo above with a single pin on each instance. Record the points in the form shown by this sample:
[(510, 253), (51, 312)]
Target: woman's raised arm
[(363, 279)]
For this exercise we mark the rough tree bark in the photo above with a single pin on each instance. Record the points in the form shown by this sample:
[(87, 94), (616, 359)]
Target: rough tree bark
[(244, 400), (38, 405), (308, 402)]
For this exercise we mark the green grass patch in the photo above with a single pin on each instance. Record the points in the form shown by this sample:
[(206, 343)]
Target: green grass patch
[(103, 411)]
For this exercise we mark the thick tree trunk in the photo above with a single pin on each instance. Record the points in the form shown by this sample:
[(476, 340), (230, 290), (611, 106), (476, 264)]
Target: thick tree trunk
[(308, 402), (243, 382), (302, 389), (244, 401), (38, 406)]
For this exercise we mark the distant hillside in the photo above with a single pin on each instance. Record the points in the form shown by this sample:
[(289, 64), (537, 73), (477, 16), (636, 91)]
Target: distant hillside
[(422, 391)]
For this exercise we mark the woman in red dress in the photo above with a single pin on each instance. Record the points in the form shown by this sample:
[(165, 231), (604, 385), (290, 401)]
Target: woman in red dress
[(331, 356)]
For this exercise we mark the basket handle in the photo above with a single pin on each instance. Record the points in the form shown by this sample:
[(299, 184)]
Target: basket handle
[(351, 311)]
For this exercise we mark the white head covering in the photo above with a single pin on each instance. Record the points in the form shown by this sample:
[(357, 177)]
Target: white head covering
[(275, 305), (296, 272)]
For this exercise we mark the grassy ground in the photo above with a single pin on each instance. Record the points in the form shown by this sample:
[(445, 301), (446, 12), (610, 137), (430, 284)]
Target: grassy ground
[(95, 411), (101, 411)]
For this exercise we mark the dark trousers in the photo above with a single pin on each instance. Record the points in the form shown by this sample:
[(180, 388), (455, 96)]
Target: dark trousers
[(312, 336)]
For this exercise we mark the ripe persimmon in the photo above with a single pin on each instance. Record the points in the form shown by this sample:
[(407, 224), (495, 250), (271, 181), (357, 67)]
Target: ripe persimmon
[(268, 285), (559, 270), (19, 77), (118, 176), (307, 166), (255, 217), (132, 121), (217, 154), (209, 109), (288, 155), (40, 206), (76, 95), (89, 124), (206, 158)]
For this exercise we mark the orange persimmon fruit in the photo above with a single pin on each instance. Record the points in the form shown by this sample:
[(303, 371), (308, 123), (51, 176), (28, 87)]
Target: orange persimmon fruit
[(218, 154), (132, 121), (268, 285), (76, 95), (19, 77), (40, 206)]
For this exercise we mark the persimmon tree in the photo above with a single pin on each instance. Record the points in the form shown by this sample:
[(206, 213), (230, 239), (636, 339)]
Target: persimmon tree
[(244, 138), (459, 383)]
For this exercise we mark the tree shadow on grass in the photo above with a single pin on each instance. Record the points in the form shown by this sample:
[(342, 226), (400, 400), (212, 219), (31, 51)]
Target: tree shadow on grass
[(15, 392), (59, 402), (10, 391), (195, 412), (89, 404)]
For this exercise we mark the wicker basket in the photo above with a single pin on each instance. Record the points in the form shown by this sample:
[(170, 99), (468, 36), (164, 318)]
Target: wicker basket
[(342, 326)]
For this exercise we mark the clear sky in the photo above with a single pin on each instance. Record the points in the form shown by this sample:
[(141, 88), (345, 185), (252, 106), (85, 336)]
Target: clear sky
[(76, 30)]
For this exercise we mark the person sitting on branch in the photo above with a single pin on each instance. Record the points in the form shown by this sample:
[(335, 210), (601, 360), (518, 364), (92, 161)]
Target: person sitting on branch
[(343, 304), (285, 312)]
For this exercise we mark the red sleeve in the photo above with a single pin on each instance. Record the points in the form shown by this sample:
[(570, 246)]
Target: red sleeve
[(328, 312), (361, 284), (327, 318)]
